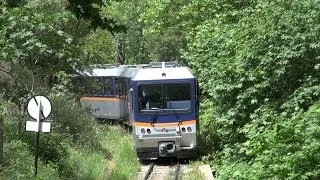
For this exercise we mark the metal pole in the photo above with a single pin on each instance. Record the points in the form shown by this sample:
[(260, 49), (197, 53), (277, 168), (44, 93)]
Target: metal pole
[(36, 153), (37, 138)]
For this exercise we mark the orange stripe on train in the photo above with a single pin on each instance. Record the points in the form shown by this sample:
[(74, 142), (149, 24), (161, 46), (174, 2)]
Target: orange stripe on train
[(183, 123), (113, 99)]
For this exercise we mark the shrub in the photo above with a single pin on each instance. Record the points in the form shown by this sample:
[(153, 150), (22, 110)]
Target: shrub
[(83, 164), (19, 163), (72, 120), (258, 63), (277, 147)]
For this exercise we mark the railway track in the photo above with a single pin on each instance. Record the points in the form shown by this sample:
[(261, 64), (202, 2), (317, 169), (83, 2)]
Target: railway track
[(158, 171)]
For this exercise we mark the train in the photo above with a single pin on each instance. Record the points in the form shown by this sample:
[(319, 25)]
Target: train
[(159, 100)]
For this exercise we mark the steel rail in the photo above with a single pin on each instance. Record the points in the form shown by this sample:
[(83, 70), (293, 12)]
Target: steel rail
[(176, 172), (149, 171)]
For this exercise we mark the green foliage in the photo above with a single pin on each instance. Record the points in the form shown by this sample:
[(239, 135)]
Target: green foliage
[(133, 42), (166, 28), (249, 72), (124, 159), (90, 10), (276, 147), (38, 40), (263, 62), (72, 120), (83, 164), (19, 163), (103, 47)]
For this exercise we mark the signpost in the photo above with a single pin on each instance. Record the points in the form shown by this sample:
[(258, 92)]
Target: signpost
[(39, 108)]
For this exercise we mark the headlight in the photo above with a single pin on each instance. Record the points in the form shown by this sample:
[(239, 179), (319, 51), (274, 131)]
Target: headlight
[(143, 131), (148, 131)]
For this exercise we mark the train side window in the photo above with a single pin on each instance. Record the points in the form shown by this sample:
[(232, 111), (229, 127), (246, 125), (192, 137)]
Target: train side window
[(98, 89), (108, 86), (117, 86), (124, 86)]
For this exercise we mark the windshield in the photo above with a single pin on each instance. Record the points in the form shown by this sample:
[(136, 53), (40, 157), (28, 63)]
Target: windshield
[(167, 97)]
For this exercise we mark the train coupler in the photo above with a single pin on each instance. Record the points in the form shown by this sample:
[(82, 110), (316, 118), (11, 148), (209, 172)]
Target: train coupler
[(166, 147)]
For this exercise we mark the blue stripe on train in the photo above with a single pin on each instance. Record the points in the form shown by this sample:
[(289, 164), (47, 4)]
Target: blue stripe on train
[(164, 118)]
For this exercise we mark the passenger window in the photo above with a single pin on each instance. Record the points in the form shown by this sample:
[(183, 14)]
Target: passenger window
[(108, 86)]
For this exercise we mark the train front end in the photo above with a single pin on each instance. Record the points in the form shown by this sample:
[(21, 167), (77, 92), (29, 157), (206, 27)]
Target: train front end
[(165, 113)]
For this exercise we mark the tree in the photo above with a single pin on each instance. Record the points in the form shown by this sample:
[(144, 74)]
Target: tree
[(42, 41), (165, 29), (258, 63), (132, 43), (87, 10)]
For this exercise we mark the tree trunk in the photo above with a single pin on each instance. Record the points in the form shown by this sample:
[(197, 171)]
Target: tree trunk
[(121, 55)]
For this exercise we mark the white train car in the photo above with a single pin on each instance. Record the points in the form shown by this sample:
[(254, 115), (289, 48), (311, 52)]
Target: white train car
[(165, 111)]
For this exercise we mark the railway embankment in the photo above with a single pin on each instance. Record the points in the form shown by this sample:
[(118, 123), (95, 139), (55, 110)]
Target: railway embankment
[(77, 147)]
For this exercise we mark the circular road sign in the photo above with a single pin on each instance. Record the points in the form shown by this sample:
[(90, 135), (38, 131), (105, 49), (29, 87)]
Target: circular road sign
[(33, 107)]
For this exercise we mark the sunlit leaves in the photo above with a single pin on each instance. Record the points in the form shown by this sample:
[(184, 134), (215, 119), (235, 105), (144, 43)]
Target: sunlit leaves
[(252, 56), (90, 10)]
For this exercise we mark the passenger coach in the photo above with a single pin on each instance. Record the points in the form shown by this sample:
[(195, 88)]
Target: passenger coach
[(104, 92), (165, 111)]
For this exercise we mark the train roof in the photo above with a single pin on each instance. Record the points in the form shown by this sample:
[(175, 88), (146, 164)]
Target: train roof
[(108, 71), (163, 73), (140, 72), (129, 72)]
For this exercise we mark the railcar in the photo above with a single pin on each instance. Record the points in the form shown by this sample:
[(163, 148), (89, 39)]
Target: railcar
[(158, 100), (164, 111), (104, 92)]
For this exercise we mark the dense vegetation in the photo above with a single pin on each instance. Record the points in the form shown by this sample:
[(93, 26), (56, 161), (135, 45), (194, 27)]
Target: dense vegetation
[(42, 43), (258, 64), (263, 90)]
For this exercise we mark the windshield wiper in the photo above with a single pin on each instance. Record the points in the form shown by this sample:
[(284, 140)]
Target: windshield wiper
[(175, 113), (154, 118)]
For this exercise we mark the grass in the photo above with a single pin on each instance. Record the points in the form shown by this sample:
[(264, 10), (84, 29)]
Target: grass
[(194, 173), (77, 148), (123, 163), (118, 160), (85, 164), (19, 164)]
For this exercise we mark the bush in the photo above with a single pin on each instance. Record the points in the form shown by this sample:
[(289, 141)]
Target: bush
[(75, 134), (277, 147), (259, 53), (83, 164), (19, 163), (258, 63), (72, 120)]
